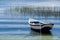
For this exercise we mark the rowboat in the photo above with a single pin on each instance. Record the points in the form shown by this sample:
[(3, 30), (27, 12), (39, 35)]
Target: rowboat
[(40, 25)]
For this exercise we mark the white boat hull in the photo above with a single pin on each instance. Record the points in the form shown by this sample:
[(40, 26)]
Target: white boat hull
[(42, 27)]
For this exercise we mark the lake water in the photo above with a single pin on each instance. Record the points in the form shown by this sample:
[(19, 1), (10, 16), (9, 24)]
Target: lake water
[(19, 29), (14, 27)]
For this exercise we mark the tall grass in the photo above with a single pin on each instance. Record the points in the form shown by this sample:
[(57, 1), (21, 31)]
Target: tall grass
[(36, 11)]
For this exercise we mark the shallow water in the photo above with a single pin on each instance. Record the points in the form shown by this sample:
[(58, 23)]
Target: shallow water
[(10, 30)]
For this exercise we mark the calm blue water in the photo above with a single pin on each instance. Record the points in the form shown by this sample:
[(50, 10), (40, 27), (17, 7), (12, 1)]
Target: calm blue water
[(13, 25)]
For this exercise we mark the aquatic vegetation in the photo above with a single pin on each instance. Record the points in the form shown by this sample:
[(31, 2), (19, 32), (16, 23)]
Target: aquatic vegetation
[(35, 11)]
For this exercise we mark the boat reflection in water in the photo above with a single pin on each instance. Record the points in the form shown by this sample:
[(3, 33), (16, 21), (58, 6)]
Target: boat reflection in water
[(46, 35), (43, 35)]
